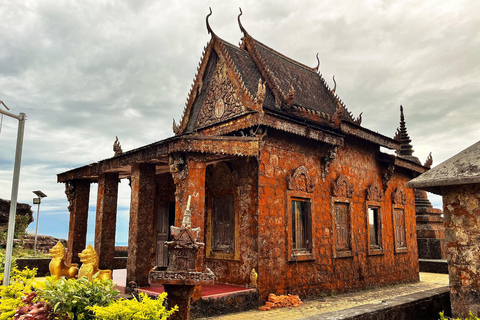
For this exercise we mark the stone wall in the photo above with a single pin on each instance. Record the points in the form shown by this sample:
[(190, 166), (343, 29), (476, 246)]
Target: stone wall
[(461, 207), (278, 273)]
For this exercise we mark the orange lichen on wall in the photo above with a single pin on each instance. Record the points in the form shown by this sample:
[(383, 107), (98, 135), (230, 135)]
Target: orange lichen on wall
[(281, 301)]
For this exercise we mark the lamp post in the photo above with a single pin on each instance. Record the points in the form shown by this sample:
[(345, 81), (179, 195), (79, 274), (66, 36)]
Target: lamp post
[(13, 201), (38, 200)]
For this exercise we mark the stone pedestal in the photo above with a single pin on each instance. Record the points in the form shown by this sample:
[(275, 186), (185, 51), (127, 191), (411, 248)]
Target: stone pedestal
[(179, 295)]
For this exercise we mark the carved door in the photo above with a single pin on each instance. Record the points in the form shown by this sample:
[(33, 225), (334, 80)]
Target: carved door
[(165, 218)]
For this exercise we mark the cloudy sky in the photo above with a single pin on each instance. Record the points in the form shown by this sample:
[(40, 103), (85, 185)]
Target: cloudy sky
[(87, 71)]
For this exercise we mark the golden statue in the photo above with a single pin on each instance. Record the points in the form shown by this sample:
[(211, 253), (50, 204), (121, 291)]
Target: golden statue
[(253, 278), (89, 258), (58, 267)]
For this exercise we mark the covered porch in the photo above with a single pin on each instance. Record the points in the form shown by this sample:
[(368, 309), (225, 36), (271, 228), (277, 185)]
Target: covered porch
[(161, 176)]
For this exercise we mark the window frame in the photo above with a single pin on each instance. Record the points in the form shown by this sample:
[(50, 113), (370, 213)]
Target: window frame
[(395, 240), (294, 254), (210, 252), (375, 250), (342, 253)]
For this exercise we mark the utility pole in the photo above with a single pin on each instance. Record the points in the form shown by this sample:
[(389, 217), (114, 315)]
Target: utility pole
[(13, 201)]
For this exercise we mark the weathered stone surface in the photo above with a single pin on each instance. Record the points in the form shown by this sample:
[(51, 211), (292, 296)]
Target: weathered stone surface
[(106, 217), (461, 206), (23, 209), (44, 243), (141, 235), (78, 193), (278, 273)]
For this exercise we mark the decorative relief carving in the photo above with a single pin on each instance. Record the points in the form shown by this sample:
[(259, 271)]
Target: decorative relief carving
[(260, 97), (328, 159), (342, 188), (301, 180), (70, 193), (399, 197), (221, 102), (117, 147), (177, 164), (374, 193), (388, 175)]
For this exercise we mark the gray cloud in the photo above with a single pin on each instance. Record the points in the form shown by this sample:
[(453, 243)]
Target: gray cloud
[(85, 72)]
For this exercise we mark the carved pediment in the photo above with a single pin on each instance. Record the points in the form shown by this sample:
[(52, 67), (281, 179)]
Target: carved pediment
[(374, 192), (399, 197), (222, 100), (301, 180), (342, 188)]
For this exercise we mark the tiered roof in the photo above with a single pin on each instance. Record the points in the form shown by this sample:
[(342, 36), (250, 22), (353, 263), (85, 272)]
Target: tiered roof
[(292, 88)]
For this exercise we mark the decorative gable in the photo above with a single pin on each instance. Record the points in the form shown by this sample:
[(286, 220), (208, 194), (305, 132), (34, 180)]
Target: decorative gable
[(222, 100)]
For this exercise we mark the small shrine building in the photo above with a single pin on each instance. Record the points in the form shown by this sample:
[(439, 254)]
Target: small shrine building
[(283, 179)]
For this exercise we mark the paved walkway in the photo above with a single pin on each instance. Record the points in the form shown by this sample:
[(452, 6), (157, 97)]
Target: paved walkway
[(343, 301)]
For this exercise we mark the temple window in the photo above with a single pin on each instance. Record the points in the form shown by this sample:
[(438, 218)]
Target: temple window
[(400, 233), (342, 192), (399, 222), (301, 225), (222, 219), (374, 219), (223, 223), (374, 229), (342, 229), (300, 208)]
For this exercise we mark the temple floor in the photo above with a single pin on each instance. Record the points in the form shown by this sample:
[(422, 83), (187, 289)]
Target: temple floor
[(211, 291)]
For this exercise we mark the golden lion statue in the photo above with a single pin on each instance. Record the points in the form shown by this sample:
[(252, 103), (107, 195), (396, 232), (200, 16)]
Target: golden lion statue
[(89, 258), (58, 267)]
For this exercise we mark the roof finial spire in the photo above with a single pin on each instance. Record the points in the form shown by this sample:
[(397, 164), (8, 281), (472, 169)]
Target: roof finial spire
[(402, 136), (240, 23), (317, 68), (335, 82), (208, 24)]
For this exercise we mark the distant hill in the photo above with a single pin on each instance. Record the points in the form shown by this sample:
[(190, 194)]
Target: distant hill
[(24, 217)]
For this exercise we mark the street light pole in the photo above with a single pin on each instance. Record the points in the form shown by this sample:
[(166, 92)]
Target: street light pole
[(13, 201), (38, 200)]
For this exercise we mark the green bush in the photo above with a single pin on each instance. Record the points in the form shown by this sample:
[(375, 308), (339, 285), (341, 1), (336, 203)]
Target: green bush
[(470, 317), (72, 297), (21, 283), (143, 309)]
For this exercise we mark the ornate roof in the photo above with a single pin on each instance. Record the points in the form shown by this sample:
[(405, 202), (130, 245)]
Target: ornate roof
[(291, 88)]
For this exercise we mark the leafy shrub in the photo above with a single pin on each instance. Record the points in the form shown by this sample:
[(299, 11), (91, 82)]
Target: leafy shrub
[(21, 283), (145, 308), (34, 309), (470, 317), (2, 264), (72, 297)]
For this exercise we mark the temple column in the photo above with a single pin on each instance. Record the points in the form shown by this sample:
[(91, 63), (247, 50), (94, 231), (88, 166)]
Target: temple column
[(106, 218), (189, 177), (141, 235), (78, 193)]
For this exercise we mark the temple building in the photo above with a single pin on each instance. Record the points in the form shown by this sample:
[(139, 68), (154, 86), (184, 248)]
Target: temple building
[(430, 230), (283, 179)]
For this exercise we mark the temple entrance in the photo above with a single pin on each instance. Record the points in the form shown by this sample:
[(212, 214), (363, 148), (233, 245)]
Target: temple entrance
[(165, 219)]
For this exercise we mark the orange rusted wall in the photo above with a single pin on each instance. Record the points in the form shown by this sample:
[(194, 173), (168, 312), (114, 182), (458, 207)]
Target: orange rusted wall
[(237, 270), (281, 156)]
